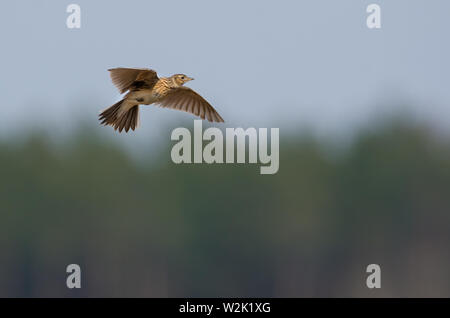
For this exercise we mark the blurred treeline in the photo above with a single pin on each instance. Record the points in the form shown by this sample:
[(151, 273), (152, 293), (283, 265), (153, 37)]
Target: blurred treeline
[(152, 228)]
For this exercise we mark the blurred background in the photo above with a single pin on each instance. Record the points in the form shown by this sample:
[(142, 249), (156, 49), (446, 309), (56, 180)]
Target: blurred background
[(364, 151)]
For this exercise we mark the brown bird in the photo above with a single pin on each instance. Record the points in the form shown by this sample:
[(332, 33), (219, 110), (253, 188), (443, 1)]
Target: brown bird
[(144, 87)]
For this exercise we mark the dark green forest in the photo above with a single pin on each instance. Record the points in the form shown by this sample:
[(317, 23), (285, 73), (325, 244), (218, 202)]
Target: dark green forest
[(151, 228)]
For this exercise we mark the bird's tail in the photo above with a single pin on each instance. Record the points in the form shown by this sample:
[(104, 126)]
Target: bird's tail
[(120, 119)]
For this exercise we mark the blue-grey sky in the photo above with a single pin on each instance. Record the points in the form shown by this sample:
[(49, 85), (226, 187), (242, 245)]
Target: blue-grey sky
[(280, 64)]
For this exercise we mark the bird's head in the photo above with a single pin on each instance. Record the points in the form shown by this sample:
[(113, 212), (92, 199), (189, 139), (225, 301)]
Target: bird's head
[(180, 79)]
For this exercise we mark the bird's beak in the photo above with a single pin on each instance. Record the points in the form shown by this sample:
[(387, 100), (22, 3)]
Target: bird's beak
[(190, 79)]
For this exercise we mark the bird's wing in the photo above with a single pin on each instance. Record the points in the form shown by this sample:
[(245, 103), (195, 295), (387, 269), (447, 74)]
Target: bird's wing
[(125, 78), (185, 99)]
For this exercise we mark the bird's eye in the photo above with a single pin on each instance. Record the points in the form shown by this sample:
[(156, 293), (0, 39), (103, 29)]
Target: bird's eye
[(182, 77)]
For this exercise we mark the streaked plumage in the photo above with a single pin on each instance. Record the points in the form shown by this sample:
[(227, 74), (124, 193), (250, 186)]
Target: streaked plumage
[(145, 88)]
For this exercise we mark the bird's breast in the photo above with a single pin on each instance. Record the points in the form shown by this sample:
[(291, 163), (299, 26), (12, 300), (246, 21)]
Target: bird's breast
[(161, 89)]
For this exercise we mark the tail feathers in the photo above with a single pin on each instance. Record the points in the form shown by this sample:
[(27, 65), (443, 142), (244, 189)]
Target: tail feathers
[(112, 116)]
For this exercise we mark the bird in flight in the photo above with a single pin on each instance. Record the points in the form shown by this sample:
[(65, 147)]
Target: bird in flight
[(144, 88)]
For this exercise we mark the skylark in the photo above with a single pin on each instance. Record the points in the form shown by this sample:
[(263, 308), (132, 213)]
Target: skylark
[(145, 88)]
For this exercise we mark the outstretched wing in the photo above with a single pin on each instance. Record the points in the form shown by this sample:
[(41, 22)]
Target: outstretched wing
[(127, 78), (185, 99)]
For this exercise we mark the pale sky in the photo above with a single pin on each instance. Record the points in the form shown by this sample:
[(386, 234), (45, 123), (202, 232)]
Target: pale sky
[(260, 63)]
